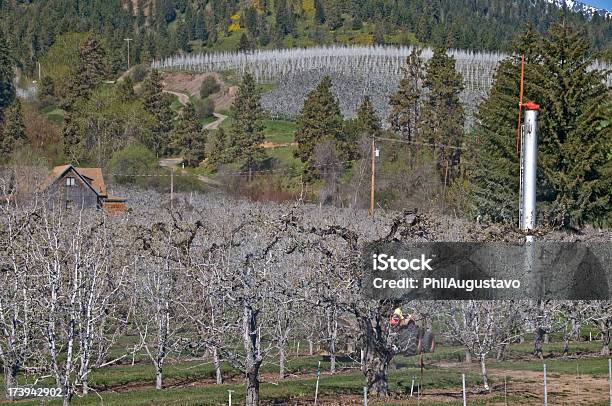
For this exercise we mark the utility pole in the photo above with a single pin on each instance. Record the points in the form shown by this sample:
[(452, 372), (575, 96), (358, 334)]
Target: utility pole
[(128, 55), (529, 168), (171, 187), (373, 185)]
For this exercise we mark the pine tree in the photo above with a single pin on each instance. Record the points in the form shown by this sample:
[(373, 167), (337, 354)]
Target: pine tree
[(7, 89), (188, 137), (158, 105), (216, 148), (442, 116), (406, 102), (572, 149), (182, 37), (247, 129), (320, 120), (244, 45), (367, 119), (90, 71), (319, 12), (574, 170), (13, 134)]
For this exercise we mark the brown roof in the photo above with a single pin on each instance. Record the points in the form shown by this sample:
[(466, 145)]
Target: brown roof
[(95, 177)]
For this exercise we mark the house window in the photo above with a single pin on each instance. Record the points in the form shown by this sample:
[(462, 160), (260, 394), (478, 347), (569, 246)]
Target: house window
[(69, 181)]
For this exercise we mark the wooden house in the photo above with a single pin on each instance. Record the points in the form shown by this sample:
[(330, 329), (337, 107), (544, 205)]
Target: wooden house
[(74, 187)]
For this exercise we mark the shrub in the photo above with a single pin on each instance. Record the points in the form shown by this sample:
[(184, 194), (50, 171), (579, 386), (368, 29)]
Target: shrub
[(134, 159), (139, 72), (208, 87), (205, 107)]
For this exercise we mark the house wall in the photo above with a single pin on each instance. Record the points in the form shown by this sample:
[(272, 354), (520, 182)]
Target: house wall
[(78, 196)]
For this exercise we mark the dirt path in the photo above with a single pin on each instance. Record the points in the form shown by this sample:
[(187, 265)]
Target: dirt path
[(182, 97), (215, 124)]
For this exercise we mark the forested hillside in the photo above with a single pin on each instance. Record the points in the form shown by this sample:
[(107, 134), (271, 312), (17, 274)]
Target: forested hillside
[(163, 27)]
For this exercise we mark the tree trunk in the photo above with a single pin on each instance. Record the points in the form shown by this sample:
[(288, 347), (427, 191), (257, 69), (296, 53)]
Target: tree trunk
[(332, 330), (158, 375), (483, 367), (501, 351), (252, 353), (10, 380), (376, 374), (538, 344), (281, 362), (605, 339), (252, 396), (310, 347), (217, 363)]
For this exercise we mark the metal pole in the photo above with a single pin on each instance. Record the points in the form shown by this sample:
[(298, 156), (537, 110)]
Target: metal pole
[(128, 51), (373, 184), (229, 393), (317, 386), (529, 168), (365, 396), (412, 387), (545, 388), (464, 394), (610, 378)]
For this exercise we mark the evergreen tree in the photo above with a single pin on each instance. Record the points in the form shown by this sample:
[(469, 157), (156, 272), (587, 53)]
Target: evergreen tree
[(188, 137), (319, 12), (572, 149), (7, 90), (574, 170), (247, 129), (13, 132), (405, 103), (442, 115), (216, 148), (244, 45), (320, 120), (90, 70), (201, 32), (182, 37), (158, 105), (367, 119)]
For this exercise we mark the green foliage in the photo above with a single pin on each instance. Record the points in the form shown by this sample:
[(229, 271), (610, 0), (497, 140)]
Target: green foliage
[(320, 120), (204, 107), (245, 44), (209, 86), (7, 90), (157, 105), (574, 170), (139, 73), (105, 123), (90, 70), (12, 131), (442, 117), (406, 102), (216, 149), (246, 133), (134, 159), (319, 12), (188, 138)]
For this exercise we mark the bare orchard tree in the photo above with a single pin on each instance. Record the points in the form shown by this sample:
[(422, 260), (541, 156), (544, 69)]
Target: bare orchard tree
[(76, 291), (164, 253), (542, 316), (241, 263), (338, 275), (482, 327), (599, 314), (18, 339)]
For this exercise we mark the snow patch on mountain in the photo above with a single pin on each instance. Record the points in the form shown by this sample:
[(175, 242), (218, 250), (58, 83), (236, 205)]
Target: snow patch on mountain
[(582, 8)]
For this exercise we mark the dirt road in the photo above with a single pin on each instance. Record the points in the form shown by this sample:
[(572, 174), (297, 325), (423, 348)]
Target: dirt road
[(215, 124), (182, 97)]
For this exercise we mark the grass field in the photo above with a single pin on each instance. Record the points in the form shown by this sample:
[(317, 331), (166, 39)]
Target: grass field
[(516, 380)]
